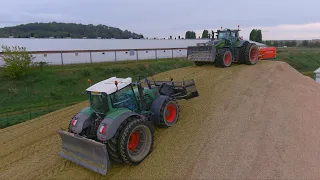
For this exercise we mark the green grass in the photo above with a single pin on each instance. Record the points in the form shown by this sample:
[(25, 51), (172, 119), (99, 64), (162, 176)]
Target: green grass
[(305, 60), (57, 85)]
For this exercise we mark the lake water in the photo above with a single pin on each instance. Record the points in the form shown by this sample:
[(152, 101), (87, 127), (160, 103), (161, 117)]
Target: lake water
[(100, 44)]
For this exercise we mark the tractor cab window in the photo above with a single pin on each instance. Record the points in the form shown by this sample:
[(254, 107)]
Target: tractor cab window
[(222, 35), (124, 98), (99, 103), (233, 34)]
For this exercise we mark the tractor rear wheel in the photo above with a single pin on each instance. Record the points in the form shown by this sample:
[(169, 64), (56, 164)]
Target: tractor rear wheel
[(169, 113), (249, 54), (224, 57), (136, 141)]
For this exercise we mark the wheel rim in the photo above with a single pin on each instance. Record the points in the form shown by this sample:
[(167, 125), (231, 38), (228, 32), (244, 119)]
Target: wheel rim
[(253, 54), (139, 143), (171, 112), (227, 58), (133, 141)]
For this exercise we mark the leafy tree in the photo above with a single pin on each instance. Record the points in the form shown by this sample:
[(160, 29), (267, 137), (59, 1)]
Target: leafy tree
[(190, 35), (268, 43), (256, 35), (276, 43), (259, 36), (287, 43), (293, 43), (281, 43), (305, 43), (253, 35), (17, 61), (205, 34)]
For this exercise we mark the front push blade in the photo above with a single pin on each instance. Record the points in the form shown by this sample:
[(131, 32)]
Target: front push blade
[(201, 53), (85, 152)]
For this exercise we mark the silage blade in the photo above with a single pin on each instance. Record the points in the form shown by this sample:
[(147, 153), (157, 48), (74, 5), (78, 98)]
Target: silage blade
[(85, 152), (201, 53), (191, 89)]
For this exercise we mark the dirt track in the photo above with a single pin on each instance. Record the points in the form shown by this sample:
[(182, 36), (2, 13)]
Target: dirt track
[(249, 122)]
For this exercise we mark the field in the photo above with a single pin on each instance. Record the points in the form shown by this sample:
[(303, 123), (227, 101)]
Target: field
[(305, 60), (249, 122)]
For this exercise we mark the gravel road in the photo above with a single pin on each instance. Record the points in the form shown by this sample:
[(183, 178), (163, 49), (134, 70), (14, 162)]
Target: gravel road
[(255, 122)]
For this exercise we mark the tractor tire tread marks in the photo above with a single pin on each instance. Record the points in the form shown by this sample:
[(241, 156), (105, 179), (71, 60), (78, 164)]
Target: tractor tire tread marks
[(125, 133)]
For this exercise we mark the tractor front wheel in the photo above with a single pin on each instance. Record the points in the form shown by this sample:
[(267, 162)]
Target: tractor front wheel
[(136, 141), (224, 57)]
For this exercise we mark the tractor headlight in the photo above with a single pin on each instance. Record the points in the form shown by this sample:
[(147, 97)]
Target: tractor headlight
[(74, 122), (103, 129)]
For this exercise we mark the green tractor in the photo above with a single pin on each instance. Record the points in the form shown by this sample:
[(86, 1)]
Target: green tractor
[(226, 48), (118, 126)]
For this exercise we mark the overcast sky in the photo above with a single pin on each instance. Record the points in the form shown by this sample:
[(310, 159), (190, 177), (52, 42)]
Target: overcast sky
[(278, 19)]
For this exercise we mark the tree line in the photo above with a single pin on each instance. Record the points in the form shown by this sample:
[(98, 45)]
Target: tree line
[(192, 35), (255, 35), (65, 30), (292, 43)]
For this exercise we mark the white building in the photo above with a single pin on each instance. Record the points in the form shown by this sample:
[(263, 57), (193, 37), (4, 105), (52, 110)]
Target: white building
[(317, 75)]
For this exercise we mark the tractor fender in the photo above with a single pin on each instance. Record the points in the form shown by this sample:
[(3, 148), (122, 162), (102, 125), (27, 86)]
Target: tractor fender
[(155, 108), (113, 125), (240, 43), (83, 121)]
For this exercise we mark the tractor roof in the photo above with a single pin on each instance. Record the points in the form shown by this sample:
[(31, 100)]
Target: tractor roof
[(225, 30), (108, 86)]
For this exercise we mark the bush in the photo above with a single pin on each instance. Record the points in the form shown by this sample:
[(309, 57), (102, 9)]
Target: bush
[(17, 61)]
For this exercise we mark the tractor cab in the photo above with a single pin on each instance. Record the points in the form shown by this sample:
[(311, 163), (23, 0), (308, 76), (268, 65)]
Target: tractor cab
[(111, 94), (228, 35)]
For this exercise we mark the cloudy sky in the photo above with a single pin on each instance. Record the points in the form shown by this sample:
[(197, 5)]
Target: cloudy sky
[(278, 19)]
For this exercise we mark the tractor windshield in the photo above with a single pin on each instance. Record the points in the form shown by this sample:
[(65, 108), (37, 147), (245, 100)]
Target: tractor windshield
[(124, 98), (222, 35), (99, 103)]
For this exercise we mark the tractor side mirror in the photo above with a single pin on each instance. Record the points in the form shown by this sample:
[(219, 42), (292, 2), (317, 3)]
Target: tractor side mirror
[(84, 92)]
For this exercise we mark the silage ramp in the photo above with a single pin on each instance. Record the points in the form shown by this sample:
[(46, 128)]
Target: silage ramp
[(220, 134)]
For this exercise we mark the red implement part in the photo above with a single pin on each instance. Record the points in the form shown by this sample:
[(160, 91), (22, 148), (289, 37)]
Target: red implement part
[(267, 53)]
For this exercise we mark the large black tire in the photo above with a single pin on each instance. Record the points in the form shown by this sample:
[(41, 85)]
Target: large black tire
[(169, 113), (136, 141), (249, 53), (113, 144), (224, 58), (198, 63)]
